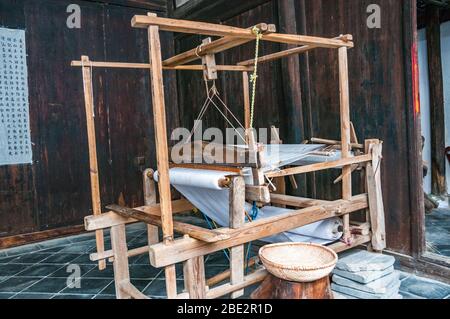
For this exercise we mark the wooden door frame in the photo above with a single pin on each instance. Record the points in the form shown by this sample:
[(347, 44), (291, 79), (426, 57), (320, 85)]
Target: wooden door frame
[(419, 260)]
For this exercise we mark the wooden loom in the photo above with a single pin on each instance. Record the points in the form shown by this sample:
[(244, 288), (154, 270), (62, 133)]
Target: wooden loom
[(198, 242)]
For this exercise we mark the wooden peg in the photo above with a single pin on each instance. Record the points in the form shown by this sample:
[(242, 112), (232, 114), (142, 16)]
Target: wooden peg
[(209, 62)]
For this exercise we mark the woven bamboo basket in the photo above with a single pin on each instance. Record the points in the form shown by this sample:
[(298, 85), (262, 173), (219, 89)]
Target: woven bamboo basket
[(298, 262)]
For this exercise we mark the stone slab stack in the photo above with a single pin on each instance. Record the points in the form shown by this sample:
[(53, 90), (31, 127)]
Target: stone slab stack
[(363, 275)]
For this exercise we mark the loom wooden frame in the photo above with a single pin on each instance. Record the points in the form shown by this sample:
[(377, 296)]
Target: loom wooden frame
[(191, 250)]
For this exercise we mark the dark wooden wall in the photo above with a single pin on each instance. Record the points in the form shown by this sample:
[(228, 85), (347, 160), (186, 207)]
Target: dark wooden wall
[(54, 191), (301, 96)]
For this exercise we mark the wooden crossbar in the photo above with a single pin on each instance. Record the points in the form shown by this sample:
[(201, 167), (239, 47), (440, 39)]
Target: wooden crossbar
[(109, 254), (321, 166), (289, 52), (194, 27), (209, 236), (294, 201), (183, 249), (110, 219), (334, 142), (216, 46), (128, 65)]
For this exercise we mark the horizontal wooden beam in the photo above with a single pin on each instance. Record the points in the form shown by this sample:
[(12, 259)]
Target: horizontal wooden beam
[(320, 166), (289, 52), (259, 194), (200, 153), (111, 219), (212, 48), (206, 235), (209, 167), (294, 201), (358, 240), (227, 273), (109, 254), (162, 255), (216, 46), (126, 65), (194, 27), (333, 142), (228, 288)]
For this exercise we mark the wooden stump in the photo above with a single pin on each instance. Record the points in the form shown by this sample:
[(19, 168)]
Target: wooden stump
[(276, 288)]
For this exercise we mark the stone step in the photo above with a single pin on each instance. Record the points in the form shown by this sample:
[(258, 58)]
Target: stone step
[(361, 260), (379, 286), (341, 296), (365, 295), (364, 277)]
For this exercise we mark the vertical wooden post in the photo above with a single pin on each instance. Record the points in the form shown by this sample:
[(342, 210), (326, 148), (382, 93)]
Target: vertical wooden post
[(258, 174), (279, 182), (237, 220), (162, 151), (345, 133), (150, 199), (93, 163), (353, 136), (120, 264), (291, 77), (375, 194), (246, 90), (437, 105), (194, 277)]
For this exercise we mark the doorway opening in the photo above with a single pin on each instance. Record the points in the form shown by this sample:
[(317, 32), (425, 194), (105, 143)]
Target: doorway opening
[(434, 69)]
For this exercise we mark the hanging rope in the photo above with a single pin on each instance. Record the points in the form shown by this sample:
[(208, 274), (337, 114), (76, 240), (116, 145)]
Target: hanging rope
[(211, 94), (254, 76)]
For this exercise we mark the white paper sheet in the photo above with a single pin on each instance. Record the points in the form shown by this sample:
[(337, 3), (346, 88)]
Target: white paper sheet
[(15, 142)]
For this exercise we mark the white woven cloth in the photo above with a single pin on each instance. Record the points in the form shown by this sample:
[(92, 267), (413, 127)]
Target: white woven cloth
[(201, 188)]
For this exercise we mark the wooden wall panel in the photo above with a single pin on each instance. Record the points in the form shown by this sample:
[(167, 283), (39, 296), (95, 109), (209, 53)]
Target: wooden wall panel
[(129, 105), (17, 191), (56, 100), (378, 97), (54, 191)]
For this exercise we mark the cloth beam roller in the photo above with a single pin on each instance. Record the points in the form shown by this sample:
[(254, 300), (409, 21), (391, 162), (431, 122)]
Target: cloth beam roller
[(202, 188)]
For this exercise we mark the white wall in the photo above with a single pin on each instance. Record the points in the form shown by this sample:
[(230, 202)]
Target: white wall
[(445, 53), (425, 96), (424, 85)]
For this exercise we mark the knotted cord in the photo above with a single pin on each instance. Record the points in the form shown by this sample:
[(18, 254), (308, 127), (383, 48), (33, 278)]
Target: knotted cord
[(212, 93), (254, 76)]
